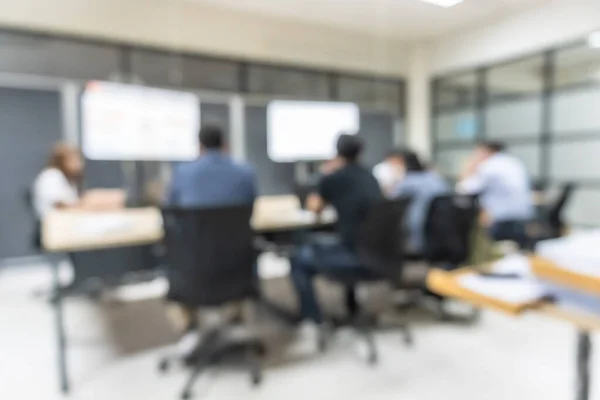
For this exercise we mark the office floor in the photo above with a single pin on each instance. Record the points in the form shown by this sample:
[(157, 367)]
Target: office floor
[(114, 351)]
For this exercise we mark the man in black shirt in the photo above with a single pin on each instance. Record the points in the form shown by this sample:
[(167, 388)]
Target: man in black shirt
[(351, 190)]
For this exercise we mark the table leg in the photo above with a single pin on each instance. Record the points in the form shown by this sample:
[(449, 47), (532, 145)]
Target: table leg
[(59, 326), (584, 350)]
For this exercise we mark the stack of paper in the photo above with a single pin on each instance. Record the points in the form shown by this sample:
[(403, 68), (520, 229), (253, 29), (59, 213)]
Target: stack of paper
[(514, 264), (576, 253), (513, 291)]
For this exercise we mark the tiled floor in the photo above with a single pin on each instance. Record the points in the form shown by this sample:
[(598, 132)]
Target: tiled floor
[(113, 353)]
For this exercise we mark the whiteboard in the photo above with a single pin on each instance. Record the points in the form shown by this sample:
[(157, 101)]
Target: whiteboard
[(128, 122), (305, 131)]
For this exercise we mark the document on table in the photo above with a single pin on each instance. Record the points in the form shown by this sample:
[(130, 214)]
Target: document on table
[(514, 264), (102, 224), (514, 291), (577, 253)]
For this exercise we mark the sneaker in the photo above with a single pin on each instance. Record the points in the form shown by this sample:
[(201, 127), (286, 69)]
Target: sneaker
[(308, 338)]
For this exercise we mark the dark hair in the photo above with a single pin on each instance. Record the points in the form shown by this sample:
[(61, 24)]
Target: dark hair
[(211, 137), (349, 147), (494, 147), (410, 158), (412, 162)]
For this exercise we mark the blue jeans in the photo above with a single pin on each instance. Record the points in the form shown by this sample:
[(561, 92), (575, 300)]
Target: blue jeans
[(331, 259)]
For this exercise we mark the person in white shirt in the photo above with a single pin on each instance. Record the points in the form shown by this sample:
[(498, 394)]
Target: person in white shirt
[(504, 185), (57, 185), (389, 172)]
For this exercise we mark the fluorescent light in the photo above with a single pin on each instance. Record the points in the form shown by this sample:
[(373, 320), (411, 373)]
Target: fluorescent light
[(443, 3), (594, 40)]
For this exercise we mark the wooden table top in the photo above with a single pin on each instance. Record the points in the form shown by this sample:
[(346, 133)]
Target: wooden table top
[(446, 284), (76, 230)]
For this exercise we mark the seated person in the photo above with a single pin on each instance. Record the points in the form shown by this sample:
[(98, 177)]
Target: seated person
[(351, 189), (213, 180), (57, 186), (505, 189), (421, 186), (389, 172)]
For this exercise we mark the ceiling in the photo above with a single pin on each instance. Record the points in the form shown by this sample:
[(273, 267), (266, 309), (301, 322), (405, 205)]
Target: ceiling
[(404, 19)]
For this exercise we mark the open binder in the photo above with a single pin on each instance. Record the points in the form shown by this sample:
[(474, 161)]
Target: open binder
[(451, 284)]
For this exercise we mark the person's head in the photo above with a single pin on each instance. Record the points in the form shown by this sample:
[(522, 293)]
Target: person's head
[(67, 159), (349, 147), (211, 138), (406, 159), (488, 149)]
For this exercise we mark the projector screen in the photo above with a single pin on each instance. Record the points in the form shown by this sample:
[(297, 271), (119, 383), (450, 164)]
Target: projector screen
[(127, 122), (307, 131)]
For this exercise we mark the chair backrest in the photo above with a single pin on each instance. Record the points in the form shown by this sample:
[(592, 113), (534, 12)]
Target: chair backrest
[(449, 226), (36, 236), (381, 240), (210, 255), (555, 211)]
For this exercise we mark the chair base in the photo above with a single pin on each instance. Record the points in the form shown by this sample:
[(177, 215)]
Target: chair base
[(436, 305), (213, 350)]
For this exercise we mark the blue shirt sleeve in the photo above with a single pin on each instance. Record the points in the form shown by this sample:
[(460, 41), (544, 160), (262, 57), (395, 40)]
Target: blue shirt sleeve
[(253, 190), (173, 194), (403, 188)]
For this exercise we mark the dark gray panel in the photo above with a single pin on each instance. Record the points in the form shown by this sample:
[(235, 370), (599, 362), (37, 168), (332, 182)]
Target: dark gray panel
[(215, 114), (301, 84), (377, 131), (371, 93), (169, 69), (210, 74), (30, 124), (156, 68), (103, 174), (273, 178), (55, 57)]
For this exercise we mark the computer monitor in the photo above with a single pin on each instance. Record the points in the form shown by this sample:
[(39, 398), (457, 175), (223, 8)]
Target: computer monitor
[(137, 123), (308, 130)]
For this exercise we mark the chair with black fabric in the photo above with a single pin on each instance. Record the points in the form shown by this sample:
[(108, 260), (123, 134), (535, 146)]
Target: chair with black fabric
[(211, 257), (381, 254), (556, 224), (449, 227), (36, 235), (448, 239)]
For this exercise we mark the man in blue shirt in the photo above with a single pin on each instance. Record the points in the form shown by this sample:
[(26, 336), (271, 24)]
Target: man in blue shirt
[(505, 191), (214, 179)]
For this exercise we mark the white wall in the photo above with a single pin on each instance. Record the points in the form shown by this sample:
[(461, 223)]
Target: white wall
[(557, 22), (419, 109), (182, 24)]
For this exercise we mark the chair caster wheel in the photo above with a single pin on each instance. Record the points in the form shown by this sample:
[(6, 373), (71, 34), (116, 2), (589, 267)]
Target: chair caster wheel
[(186, 396), (373, 359), (163, 366), (256, 379)]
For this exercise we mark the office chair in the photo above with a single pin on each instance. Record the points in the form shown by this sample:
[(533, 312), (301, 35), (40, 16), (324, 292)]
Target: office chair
[(211, 257), (448, 229), (381, 254), (36, 236), (448, 238), (556, 224)]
